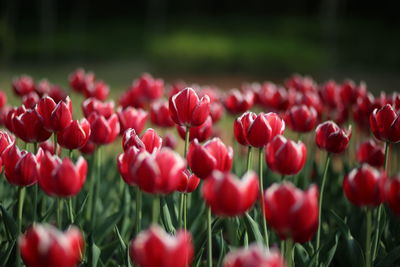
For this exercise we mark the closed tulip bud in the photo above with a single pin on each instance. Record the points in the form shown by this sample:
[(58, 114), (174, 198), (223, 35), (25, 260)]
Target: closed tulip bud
[(29, 127), (45, 246), (150, 140), (285, 156), (77, 80), (23, 85), (188, 182), (19, 166), (103, 131), (392, 194), (348, 92), (275, 97), (61, 178), (160, 115), (372, 153), (364, 186), (98, 90), (92, 105), (201, 133), (241, 127), (221, 188), (238, 102), (170, 141), (30, 100), (213, 155), (254, 256), (187, 109), (54, 117), (385, 124), (89, 148), (125, 161), (49, 147), (329, 94), (74, 136), (155, 248), (332, 138), (148, 87), (6, 139), (291, 212), (3, 99), (132, 118), (9, 117), (301, 118)]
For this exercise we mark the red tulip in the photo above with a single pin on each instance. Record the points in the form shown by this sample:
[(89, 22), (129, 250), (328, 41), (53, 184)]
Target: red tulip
[(44, 87), (11, 114), (285, 156), (329, 94), (89, 148), (155, 248), (45, 246), (348, 93), (301, 83), (392, 194), (201, 133), (149, 88), (61, 178), (103, 131), (159, 114), (30, 100), (74, 136), (254, 256), (3, 99), (170, 141), (6, 139), (301, 118), (291, 212), (92, 105), (29, 127), (19, 166), (364, 186), (220, 189), (331, 138), (157, 173), (55, 117), (241, 127), (238, 102), (372, 153), (213, 155), (96, 89), (188, 182), (79, 80), (49, 147), (275, 97), (150, 140), (132, 118), (385, 124), (187, 109), (362, 110), (23, 85)]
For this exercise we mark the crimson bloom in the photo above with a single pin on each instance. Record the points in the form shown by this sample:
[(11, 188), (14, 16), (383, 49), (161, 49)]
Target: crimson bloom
[(301, 118), (29, 127), (155, 248), (187, 109), (3, 99), (364, 186), (285, 156), (372, 153), (254, 256), (221, 188), (55, 117), (80, 80), (160, 115), (23, 85), (188, 182), (132, 118), (74, 136), (5, 140), (385, 124), (61, 178), (46, 246), (150, 140), (291, 212), (331, 137), (103, 131), (275, 97), (169, 140), (30, 100), (392, 194), (201, 133), (96, 89), (239, 102), (213, 155), (92, 105)]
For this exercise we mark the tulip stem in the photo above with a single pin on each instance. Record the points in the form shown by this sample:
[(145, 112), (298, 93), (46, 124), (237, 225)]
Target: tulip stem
[(249, 157), (187, 135), (35, 189), (368, 259), (71, 211), (209, 238), (138, 210), (184, 210), (289, 253), (379, 215), (156, 209), (95, 188), (21, 198), (59, 207), (260, 162), (328, 160), (181, 203), (55, 143)]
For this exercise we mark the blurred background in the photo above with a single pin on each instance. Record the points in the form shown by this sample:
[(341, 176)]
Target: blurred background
[(203, 41)]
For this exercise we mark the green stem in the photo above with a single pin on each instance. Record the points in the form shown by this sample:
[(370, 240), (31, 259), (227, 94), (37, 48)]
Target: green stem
[(70, 154), (209, 238), (91, 188), (187, 135), (96, 185), (71, 211), (249, 157), (368, 259), (264, 220), (138, 210), (289, 253), (156, 209), (55, 143), (59, 215), (184, 210), (321, 198), (181, 204), (21, 198)]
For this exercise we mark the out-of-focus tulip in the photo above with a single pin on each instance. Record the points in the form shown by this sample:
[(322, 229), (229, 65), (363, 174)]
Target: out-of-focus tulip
[(75, 135), (285, 156), (89, 148), (254, 256), (291, 212), (132, 118), (125, 161), (80, 80), (61, 178), (362, 110), (49, 147), (29, 127), (237, 102), (3, 99), (92, 105), (372, 153), (213, 155), (155, 248), (19, 166), (221, 188), (6, 139), (329, 94), (150, 140), (348, 93), (11, 114), (55, 117), (241, 127), (160, 115), (30, 100), (385, 124), (46, 246), (331, 137), (188, 182), (301, 83), (392, 194), (275, 97), (23, 85), (98, 90), (103, 131), (187, 109), (301, 118), (170, 141), (364, 186), (201, 133)]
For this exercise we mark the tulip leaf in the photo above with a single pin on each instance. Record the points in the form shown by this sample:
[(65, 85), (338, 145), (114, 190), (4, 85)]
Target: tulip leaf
[(221, 242), (199, 258), (79, 213), (108, 224), (9, 222), (123, 248), (166, 217), (94, 254), (49, 212), (301, 253), (344, 228), (6, 256), (390, 259), (253, 228)]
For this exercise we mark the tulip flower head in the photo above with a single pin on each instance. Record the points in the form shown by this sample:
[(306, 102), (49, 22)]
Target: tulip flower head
[(237, 102), (385, 124), (160, 115), (392, 194), (54, 117), (23, 85), (331, 137), (28, 126), (74, 136), (301, 118), (103, 130), (254, 256), (201, 133), (132, 118), (372, 153), (188, 182), (92, 105), (150, 140)]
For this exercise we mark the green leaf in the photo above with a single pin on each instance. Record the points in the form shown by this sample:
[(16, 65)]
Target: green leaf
[(301, 254), (344, 228), (166, 217), (6, 256), (108, 224), (252, 227), (390, 259), (9, 222), (123, 247), (79, 213), (93, 254)]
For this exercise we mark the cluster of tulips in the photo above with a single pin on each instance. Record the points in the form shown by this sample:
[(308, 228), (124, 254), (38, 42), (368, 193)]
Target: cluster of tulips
[(202, 206)]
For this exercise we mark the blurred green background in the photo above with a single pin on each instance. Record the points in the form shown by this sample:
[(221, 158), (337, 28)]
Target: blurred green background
[(202, 41)]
